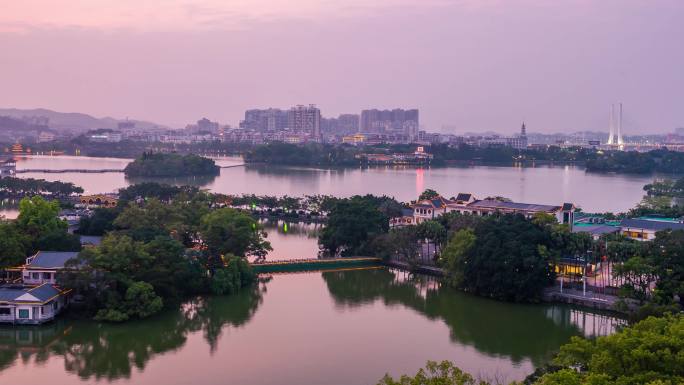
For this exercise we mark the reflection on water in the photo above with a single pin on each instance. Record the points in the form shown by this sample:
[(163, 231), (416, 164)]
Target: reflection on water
[(543, 184), (516, 331), (374, 321), (107, 351), (199, 181), (291, 240)]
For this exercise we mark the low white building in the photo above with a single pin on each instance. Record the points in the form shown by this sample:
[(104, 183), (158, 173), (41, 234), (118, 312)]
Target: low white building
[(465, 203), (35, 305), (33, 297), (44, 266)]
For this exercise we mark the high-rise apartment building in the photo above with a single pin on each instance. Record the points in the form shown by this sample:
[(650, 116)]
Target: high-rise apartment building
[(345, 124), (348, 123), (396, 121), (271, 119), (305, 119)]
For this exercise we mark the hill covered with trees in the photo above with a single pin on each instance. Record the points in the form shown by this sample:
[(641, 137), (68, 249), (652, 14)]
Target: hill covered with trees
[(170, 165)]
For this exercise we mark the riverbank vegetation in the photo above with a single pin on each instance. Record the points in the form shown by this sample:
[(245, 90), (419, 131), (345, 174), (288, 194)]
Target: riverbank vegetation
[(169, 165), (11, 187), (328, 155), (634, 162), (649, 352), (312, 154), (153, 253)]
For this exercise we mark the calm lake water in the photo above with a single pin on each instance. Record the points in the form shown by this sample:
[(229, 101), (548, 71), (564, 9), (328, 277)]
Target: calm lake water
[(543, 184), (342, 328)]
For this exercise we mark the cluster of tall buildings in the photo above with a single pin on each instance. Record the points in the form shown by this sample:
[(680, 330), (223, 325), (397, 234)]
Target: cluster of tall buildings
[(299, 119), (306, 123), (396, 121)]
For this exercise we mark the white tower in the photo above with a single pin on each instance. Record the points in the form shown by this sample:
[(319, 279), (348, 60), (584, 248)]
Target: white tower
[(611, 126), (620, 142)]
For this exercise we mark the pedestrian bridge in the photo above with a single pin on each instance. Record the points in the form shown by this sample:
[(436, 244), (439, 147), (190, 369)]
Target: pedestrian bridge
[(292, 265)]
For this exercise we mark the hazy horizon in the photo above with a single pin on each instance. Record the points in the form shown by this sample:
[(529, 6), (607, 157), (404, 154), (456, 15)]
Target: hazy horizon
[(471, 65)]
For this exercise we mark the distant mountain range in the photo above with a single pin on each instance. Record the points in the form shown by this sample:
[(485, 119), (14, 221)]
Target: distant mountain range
[(73, 121)]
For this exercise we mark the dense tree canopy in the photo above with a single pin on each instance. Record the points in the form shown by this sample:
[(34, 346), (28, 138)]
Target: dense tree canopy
[(312, 154), (229, 231), (37, 227), (504, 257), (10, 186), (164, 165), (160, 191), (649, 352), (665, 161), (428, 194), (100, 221), (352, 224)]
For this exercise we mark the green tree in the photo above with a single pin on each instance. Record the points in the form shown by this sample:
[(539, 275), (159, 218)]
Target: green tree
[(41, 229), (434, 373), (352, 223), (649, 352), (98, 223), (403, 242), (428, 194), (38, 217), (231, 278), (507, 260), (123, 278), (228, 231), (667, 256), (164, 165), (147, 221), (638, 273), (141, 301), (453, 257), (434, 232), (13, 245)]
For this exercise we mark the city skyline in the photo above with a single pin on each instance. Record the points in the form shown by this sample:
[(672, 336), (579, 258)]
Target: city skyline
[(469, 66)]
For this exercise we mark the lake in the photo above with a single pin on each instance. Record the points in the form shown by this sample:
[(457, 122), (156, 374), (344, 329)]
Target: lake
[(338, 328), (543, 184)]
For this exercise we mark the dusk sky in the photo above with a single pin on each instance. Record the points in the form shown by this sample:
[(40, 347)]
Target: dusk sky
[(470, 65)]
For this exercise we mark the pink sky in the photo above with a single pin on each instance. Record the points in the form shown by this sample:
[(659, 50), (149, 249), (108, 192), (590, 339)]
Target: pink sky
[(471, 65)]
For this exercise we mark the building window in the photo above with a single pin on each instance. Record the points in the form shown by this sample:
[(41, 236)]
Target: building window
[(5, 311), (47, 276), (55, 305), (35, 275), (23, 313)]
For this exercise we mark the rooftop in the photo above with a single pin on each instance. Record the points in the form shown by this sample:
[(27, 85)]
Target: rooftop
[(496, 204), (50, 259), (648, 224), (40, 294), (594, 229)]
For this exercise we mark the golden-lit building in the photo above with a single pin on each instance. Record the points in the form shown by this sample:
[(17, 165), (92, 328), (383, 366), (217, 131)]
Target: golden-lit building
[(98, 200)]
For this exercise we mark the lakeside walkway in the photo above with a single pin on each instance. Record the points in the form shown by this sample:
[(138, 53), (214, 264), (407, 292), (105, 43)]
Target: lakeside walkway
[(292, 265), (582, 298)]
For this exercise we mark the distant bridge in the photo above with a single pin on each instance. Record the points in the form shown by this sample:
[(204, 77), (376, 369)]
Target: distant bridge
[(314, 264), (77, 170), (89, 171)]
